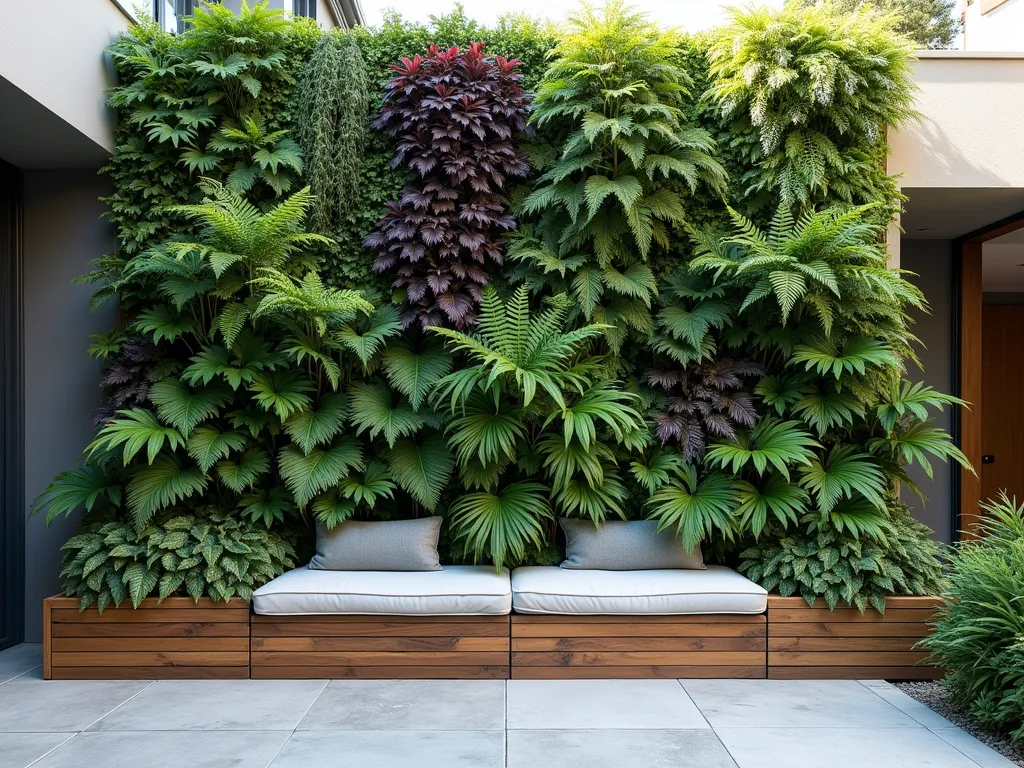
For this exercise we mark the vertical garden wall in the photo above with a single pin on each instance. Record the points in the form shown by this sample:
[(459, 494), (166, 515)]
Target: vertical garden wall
[(505, 275)]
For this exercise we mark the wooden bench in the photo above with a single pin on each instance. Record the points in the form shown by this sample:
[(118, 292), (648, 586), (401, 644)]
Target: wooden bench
[(806, 642), (365, 646), (718, 645), (173, 640)]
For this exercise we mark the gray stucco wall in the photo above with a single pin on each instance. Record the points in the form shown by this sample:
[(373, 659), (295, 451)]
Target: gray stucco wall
[(63, 232), (932, 260)]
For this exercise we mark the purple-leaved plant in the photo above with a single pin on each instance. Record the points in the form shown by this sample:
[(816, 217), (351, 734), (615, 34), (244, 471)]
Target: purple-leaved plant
[(703, 401), (453, 115)]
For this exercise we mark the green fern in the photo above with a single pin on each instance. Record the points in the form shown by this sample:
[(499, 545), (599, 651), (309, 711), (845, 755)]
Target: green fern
[(502, 524), (160, 484), (414, 371), (135, 429), (307, 474), (421, 466), (771, 443), (373, 410), (695, 510), (310, 427)]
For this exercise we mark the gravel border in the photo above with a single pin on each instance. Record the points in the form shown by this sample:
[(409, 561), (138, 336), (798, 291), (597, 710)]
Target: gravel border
[(935, 696)]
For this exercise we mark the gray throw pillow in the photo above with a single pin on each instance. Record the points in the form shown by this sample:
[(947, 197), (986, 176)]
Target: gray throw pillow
[(393, 545), (625, 546)]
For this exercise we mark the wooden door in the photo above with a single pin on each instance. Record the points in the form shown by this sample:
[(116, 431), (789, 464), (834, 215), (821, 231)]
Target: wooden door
[(1002, 415)]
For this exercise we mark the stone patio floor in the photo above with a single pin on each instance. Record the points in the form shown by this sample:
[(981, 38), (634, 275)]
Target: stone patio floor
[(469, 724)]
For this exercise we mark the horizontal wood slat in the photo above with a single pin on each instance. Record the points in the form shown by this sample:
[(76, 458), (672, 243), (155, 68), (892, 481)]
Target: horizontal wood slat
[(629, 643), (116, 644), (152, 629), (848, 658), (844, 615), (152, 659), (422, 647), (842, 643), (851, 629), (812, 642), (379, 658), (497, 672), (177, 639), (556, 628), (565, 647), (129, 615), (633, 658), (380, 644), (753, 672), (150, 673), (525, 619), (322, 626)]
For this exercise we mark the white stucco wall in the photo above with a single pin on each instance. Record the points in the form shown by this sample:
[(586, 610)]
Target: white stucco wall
[(971, 132), (1001, 29), (53, 51)]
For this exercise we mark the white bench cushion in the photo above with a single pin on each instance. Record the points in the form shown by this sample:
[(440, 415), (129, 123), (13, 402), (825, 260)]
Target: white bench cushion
[(458, 590), (559, 590)]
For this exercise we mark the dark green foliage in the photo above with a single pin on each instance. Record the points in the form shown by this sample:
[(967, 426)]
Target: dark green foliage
[(333, 98), (206, 554), (529, 413), (210, 103), (979, 633), (848, 569), (820, 311)]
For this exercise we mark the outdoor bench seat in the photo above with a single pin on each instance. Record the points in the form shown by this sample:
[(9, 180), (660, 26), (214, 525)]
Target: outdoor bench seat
[(539, 590), (452, 623), (637, 624), (458, 590)]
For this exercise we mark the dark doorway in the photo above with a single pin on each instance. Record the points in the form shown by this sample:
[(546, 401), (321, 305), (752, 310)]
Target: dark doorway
[(12, 508)]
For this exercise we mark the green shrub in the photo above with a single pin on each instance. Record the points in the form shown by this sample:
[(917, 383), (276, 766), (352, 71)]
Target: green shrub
[(841, 568), (979, 633), (808, 93), (207, 554), (613, 195)]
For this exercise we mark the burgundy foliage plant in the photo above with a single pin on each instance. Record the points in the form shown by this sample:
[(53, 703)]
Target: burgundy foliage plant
[(703, 401), (453, 116), (128, 376)]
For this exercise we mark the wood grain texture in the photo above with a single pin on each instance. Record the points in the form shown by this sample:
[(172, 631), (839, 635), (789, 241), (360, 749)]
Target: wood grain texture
[(497, 672), (176, 639), (150, 673), (812, 642), (1002, 392), (970, 380), (629, 643), (568, 647), (364, 646), (753, 672)]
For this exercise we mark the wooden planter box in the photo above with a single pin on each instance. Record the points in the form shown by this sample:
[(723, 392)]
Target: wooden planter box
[(807, 642), (430, 647), (177, 639), (721, 645)]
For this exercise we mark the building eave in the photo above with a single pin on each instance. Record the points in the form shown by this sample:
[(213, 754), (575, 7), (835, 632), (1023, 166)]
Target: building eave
[(347, 13)]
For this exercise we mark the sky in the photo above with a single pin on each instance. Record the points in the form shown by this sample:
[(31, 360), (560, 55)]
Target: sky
[(690, 15)]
